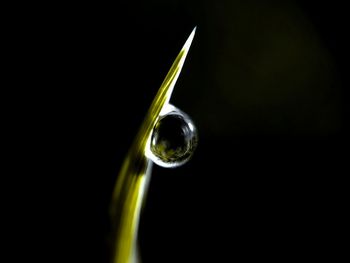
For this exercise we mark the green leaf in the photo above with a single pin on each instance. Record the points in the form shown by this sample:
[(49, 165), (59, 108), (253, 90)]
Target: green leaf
[(135, 173)]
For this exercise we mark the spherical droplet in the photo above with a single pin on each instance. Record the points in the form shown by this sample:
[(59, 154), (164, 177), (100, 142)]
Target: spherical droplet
[(174, 139)]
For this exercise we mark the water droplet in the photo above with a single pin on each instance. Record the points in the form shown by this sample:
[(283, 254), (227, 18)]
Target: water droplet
[(174, 139)]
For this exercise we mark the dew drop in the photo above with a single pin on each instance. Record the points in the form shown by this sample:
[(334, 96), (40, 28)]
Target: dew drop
[(174, 139)]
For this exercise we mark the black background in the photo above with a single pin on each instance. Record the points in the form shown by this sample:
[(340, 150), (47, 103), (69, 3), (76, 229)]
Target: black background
[(267, 180)]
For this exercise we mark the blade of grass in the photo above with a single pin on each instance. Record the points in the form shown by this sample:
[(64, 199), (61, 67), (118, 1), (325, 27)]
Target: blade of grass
[(135, 173)]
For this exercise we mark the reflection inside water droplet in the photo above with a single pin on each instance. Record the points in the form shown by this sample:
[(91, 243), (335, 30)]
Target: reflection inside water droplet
[(173, 140)]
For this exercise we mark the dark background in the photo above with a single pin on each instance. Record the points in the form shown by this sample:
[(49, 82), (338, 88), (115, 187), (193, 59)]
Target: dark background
[(265, 83)]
